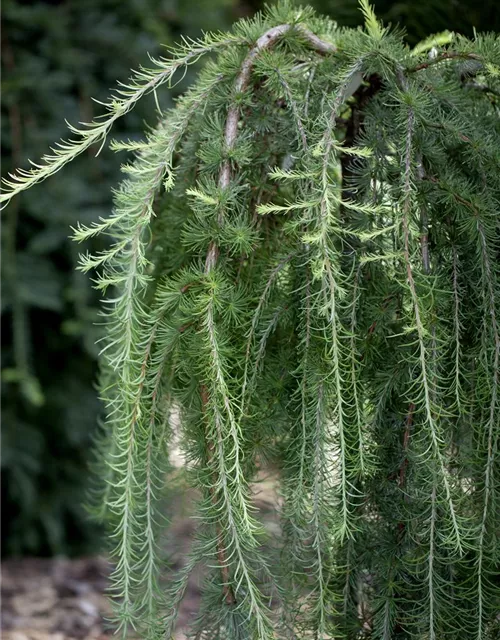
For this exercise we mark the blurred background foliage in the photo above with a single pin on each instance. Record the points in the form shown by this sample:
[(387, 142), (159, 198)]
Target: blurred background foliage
[(56, 56)]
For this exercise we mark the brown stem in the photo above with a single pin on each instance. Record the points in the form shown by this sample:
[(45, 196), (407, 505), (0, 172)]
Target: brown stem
[(385, 304), (449, 55), (456, 196), (221, 552), (266, 41)]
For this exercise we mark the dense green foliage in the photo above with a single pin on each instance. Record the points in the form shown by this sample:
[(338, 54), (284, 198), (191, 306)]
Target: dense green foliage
[(303, 275), (49, 311)]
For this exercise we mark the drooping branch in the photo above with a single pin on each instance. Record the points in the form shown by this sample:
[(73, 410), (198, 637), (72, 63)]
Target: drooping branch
[(126, 97), (266, 41), (426, 382)]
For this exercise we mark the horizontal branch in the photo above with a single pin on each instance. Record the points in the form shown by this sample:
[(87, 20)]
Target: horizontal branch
[(448, 55)]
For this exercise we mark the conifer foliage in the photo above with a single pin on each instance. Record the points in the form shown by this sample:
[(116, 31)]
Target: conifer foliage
[(304, 273)]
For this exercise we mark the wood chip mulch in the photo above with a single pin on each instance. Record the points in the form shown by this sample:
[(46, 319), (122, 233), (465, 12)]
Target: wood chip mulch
[(55, 599), (63, 599)]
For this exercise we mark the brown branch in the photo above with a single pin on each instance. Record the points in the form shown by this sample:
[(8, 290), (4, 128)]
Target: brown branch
[(266, 41), (442, 127), (383, 308), (221, 552), (449, 55), (457, 197)]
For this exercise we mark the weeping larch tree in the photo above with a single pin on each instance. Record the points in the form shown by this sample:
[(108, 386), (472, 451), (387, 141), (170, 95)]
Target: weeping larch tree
[(303, 273)]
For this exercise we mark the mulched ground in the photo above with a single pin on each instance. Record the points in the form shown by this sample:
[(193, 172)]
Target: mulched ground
[(63, 599), (56, 599)]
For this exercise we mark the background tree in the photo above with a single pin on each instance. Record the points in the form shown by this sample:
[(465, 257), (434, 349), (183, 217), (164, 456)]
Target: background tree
[(420, 19)]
